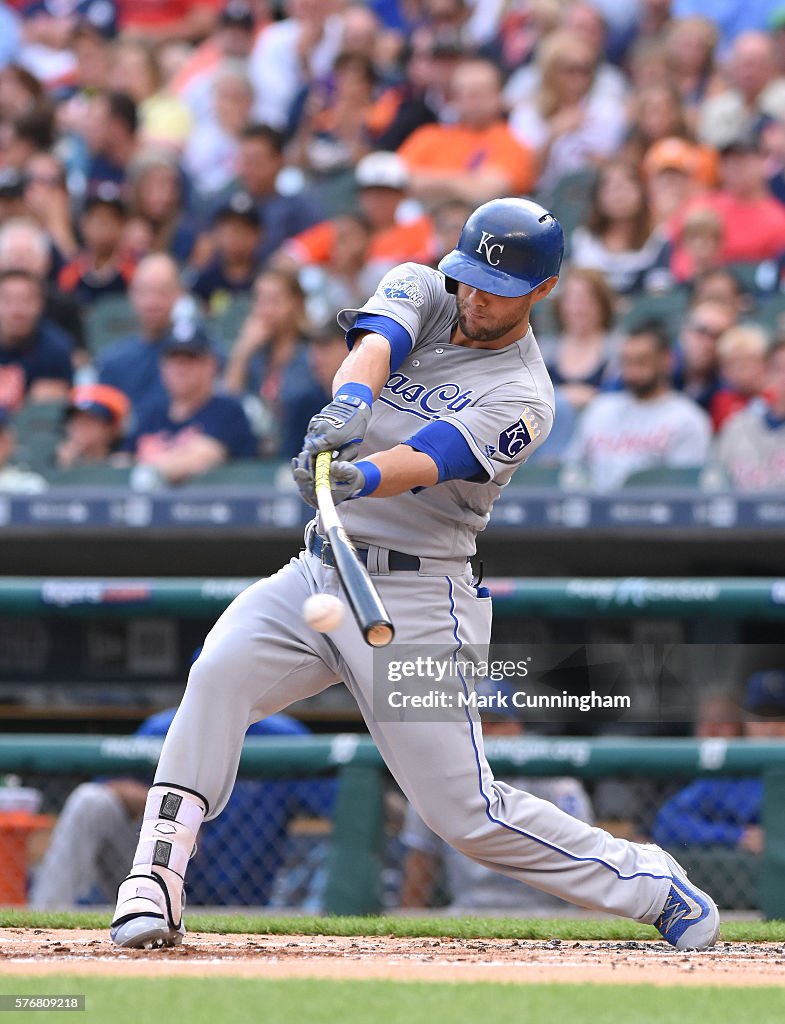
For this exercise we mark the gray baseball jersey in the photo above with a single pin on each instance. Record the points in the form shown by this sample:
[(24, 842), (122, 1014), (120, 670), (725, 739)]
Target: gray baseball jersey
[(501, 400), (260, 656)]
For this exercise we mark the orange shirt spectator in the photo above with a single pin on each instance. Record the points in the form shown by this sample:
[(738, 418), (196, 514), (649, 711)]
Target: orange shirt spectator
[(167, 16), (396, 244), (477, 158)]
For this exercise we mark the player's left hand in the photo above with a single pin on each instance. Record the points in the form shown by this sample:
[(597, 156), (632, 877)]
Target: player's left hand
[(345, 480), (339, 427)]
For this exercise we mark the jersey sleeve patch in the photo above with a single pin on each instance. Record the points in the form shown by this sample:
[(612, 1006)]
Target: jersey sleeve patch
[(518, 435), (404, 288)]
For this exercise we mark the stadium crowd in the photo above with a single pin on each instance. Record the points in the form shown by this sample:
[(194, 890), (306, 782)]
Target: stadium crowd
[(190, 191)]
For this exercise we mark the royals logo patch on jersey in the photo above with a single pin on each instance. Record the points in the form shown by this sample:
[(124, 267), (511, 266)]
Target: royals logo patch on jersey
[(518, 435), (403, 288)]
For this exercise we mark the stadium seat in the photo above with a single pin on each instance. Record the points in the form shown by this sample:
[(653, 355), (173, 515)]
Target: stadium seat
[(666, 307), (666, 476), (97, 475), (38, 427), (226, 325), (569, 199), (106, 320), (243, 472), (539, 476)]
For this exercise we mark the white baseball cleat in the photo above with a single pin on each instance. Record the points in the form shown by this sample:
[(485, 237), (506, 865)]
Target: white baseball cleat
[(143, 918), (689, 918)]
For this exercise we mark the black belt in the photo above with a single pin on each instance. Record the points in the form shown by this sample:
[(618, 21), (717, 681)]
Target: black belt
[(397, 561)]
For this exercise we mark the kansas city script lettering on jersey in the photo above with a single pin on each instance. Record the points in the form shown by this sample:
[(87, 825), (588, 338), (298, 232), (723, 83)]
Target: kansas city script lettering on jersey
[(436, 399)]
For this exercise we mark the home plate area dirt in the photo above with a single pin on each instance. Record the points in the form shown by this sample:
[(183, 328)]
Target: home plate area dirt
[(43, 951)]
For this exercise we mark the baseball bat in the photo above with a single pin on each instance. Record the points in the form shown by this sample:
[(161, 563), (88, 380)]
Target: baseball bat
[(366, 605)]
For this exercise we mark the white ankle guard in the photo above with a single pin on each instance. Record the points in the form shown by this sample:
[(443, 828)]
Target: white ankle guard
[(167, 839)]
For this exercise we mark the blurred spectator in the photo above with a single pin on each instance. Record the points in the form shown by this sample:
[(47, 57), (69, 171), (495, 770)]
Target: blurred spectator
[(727, 811), (132, 364), (382, 182), (753, 221), (100, 268), (269, 360), (656, 114), (448, 216), (291, 53), (260, 173), (10, 35), (158, 207), (332, 132), (14, 479), (349, 275), (695, 370), (578, 356), (570, 126), (472, 887), (700, 242), (722, 286), (135, 70), (741, 354), (94, 421), (691, 44), (20, 92), (212, 152), (326, 352), (35, 355), (231, 40), (233, 267), (239, 854), (194, 429), (576, 19), (645, 425), (164, 20), (754, 87), (617, 238), (751, 445), (24, 245), (12, 201), (46, 198), (111, 134), (478, 157), (403, 106), (732, 19)]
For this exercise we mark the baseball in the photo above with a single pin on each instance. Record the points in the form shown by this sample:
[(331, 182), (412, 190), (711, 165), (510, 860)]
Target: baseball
[(323, 612)]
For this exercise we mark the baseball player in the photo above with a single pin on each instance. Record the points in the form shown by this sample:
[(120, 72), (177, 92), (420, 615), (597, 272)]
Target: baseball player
[(443, 395)]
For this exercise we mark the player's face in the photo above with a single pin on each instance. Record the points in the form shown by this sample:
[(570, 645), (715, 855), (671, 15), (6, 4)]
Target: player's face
[(492, 321)]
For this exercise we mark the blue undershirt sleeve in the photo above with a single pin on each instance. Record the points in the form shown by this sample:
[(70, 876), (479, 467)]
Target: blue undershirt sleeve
[(399, 338), (449, 449)]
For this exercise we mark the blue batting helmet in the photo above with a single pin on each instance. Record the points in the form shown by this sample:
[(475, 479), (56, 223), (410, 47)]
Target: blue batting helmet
[(507, 247)]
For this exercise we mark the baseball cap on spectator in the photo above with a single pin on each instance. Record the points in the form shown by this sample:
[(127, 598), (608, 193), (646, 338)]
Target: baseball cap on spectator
[(105, 193), (239, 206), (102, 400), (187, 338), (11, 183), (237, 13), (745, 141), (382, 170), (765, 693), (100, 17), (671, 154)]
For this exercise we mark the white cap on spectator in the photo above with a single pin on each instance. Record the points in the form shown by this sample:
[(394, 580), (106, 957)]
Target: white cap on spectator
[(382, 170)]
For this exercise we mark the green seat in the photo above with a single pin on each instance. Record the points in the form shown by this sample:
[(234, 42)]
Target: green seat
[(770, 313), (666, 476), (247, 472), (569, 200), (39, 429), (539, 476), (226, 325), (107, 320), (668, 308), (99, 474)]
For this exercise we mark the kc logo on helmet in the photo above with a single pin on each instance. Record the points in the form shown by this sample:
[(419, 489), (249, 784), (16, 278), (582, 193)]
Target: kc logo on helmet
[(488, 251)]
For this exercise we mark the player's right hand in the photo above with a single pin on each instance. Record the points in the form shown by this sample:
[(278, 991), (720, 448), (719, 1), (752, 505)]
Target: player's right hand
[(338, 427)]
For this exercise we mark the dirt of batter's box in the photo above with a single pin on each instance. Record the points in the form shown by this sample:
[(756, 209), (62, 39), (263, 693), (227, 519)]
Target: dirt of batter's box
[(41, 951)]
